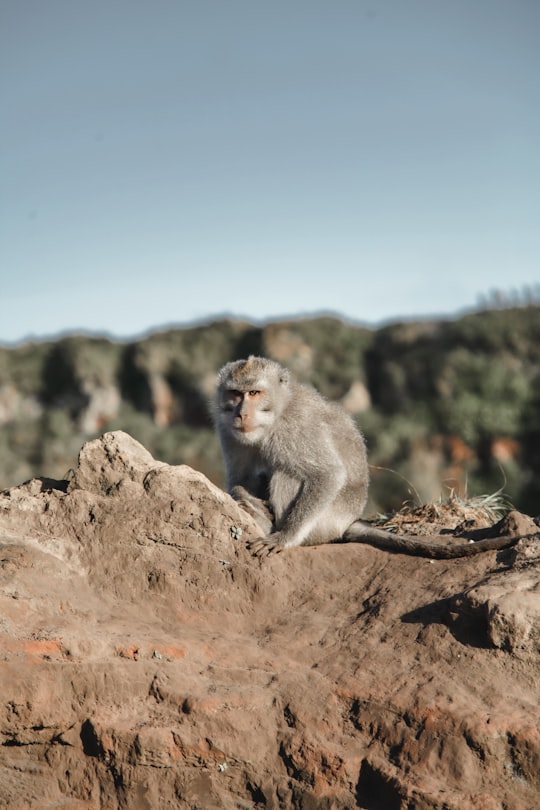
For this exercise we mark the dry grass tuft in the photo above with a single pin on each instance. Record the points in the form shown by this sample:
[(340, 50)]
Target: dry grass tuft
[(453, 513)]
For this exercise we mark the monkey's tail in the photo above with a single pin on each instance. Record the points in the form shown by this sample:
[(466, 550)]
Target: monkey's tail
[(360, 532)]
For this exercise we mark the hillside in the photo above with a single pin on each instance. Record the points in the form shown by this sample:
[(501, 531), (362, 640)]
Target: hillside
[(448, 406)]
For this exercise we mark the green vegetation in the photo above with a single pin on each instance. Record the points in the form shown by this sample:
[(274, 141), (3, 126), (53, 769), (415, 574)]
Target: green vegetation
[(446, 407)]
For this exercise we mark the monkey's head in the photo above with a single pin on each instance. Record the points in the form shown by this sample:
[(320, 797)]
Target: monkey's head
[(251, 395)]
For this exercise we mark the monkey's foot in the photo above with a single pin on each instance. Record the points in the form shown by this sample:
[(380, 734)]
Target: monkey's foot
[(265, 546), (259, 512)]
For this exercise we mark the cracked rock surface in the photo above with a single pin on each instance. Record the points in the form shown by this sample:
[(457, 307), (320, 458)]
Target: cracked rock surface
[(148, 661)]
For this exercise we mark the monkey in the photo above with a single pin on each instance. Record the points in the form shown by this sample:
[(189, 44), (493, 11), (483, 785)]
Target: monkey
[(298, 464)]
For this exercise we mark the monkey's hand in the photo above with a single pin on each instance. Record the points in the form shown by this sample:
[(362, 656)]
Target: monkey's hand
[(265, 546)]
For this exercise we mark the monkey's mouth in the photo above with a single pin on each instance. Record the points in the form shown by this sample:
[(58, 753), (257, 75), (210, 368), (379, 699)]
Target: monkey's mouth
[(245, 428)]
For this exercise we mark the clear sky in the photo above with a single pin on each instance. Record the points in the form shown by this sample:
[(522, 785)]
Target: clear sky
[(165, 161)]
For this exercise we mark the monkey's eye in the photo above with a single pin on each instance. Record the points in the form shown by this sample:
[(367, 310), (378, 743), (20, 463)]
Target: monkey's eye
[(253, 393), (231, 398)]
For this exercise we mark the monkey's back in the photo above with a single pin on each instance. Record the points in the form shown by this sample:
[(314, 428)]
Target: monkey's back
[(314, 439)]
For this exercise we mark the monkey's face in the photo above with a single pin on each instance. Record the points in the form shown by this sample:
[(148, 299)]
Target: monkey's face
[(251, 395), (245, 415)]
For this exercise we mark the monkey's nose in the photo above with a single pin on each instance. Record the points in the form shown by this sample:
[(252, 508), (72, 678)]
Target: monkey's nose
[(242, 420)]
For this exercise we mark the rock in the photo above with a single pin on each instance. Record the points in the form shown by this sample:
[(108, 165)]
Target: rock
[(357, 398), (148, 661), (102, 405), (506, 603)]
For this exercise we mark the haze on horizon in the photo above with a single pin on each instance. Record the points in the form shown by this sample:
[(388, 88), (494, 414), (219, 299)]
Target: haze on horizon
[(170, 162)]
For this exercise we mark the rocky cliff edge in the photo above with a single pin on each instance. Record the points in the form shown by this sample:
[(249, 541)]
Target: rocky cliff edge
[(148, 661)]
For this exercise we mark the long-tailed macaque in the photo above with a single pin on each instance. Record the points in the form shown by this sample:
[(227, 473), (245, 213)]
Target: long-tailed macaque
[(298, 464)]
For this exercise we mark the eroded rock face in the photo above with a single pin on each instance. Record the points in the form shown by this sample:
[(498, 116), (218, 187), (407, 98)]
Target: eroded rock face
[(148, 661)]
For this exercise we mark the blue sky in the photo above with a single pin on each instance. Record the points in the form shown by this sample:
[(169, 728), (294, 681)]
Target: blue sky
[(169, 161)]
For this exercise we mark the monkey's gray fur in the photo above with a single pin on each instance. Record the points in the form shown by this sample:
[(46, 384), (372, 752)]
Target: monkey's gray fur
[(298, 464)]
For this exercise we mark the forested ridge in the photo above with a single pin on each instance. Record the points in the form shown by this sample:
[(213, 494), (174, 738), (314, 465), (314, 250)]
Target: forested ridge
[(447, 406)]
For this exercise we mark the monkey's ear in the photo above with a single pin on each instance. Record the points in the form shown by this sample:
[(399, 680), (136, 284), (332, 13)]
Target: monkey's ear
[(284, 376)]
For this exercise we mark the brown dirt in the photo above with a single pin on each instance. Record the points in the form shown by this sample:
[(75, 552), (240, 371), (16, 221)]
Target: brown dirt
[(148, 661)]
